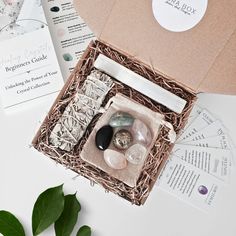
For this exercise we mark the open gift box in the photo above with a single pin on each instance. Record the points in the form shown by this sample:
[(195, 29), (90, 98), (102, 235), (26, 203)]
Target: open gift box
[(182, 63)]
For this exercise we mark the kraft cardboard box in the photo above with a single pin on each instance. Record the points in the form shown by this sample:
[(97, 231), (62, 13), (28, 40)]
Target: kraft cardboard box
[(183, 63), (201, 58)]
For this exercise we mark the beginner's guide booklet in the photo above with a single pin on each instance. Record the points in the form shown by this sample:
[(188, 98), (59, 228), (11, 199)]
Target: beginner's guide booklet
[(40, 43)]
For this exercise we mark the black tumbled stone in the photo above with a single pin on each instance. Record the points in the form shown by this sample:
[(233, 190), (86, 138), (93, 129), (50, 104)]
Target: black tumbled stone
[(103, 137)]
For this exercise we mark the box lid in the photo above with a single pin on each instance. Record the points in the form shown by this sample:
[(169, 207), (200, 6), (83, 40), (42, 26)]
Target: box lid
[(203, 58)]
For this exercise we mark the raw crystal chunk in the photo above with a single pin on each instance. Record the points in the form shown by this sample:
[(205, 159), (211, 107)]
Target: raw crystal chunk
[(121, 119), (136, 154), (122, 139), (115, 160)]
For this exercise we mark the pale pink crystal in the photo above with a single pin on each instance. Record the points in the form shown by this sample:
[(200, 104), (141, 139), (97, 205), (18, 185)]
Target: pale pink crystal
[(114, 159)]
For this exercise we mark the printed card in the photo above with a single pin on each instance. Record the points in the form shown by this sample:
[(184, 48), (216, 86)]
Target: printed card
[(69, 32), (28, 63), (216, 162), (202, 121), (221, 141), (193, 115), (214, 129), (201, 161), (189, 184)]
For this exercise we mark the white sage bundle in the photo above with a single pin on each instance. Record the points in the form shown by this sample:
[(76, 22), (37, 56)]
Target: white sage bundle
[(80, 111)]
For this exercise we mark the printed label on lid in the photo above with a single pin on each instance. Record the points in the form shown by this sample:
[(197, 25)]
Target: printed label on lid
[(179, 15)]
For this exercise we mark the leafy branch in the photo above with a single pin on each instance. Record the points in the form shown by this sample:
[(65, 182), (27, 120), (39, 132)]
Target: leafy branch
[(51, 207)]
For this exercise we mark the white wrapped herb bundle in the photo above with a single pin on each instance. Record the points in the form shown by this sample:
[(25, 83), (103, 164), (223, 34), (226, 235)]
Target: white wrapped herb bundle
[(80, 111)]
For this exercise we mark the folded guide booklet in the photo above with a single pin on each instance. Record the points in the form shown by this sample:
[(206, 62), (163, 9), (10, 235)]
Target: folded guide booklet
[(40, 45), (69, 33)]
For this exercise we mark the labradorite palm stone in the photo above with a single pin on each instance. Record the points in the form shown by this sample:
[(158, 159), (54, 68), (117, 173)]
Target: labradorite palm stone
[(121, 119)]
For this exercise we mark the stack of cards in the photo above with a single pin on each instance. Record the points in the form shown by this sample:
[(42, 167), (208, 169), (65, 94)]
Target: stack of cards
[(201, 160)]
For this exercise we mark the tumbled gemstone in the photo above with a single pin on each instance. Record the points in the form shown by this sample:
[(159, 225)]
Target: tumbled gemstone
[(136, 154), (121, 119), (115, 160), (141, 132), (122, 139), (103, 137)]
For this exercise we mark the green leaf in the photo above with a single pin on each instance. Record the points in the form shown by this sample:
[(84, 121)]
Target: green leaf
[(10, 225), (66, 223), (47, 209), (84, 231)]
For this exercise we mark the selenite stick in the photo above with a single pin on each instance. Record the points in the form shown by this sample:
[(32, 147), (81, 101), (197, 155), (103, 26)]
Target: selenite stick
[(139, 83)]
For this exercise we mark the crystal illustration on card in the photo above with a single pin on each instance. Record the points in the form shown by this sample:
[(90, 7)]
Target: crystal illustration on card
[(20, 17)]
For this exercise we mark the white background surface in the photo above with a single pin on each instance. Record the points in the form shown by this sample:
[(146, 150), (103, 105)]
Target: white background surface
[(25, 173)]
